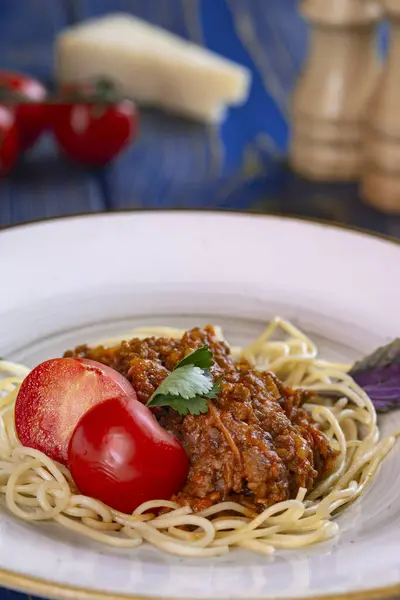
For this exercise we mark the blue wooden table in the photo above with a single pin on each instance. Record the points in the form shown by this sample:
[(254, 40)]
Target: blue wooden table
[(176, 163)]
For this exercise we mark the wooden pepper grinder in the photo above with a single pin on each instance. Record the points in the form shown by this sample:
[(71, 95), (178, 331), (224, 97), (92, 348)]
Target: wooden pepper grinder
[(330, 99), (381, 175)]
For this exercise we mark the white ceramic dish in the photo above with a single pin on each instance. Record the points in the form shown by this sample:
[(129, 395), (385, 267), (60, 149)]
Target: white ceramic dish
[(79, 279)]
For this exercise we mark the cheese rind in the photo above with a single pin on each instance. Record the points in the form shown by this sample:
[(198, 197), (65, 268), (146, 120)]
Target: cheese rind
[(152, 66)]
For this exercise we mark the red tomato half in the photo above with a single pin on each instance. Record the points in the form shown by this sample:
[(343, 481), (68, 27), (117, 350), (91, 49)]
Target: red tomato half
[(120, 455), (9, 141), (26, 96), (54, 396)]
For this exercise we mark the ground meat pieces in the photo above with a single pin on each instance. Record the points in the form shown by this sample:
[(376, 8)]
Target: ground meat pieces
[(147, 375), (256, 444)]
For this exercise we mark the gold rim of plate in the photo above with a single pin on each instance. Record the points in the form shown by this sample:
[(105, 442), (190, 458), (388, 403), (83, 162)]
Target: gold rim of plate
[(46, 589), (42, 587)]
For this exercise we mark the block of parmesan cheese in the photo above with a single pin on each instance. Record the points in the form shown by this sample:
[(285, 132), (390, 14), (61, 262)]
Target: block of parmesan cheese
[(152, 66)]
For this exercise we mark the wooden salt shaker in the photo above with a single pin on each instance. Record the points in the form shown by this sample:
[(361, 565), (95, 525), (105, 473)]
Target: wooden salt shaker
[(381, 174), (331, 96)]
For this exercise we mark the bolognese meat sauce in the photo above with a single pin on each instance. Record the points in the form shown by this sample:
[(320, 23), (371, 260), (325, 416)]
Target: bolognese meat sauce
[(255, 445)]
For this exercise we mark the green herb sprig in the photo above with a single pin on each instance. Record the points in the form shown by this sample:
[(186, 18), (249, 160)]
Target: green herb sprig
[(190, 385)]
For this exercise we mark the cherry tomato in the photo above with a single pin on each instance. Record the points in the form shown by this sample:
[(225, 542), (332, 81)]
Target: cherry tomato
[(54, 396), (9, 141), (92, 124), (26, 96), (120, 455)]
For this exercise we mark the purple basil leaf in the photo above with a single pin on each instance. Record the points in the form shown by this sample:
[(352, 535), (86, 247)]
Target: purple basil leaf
[(379, 375)]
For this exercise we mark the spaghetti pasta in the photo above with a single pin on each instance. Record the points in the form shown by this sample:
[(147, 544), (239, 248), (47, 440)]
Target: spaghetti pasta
[(36, 488)]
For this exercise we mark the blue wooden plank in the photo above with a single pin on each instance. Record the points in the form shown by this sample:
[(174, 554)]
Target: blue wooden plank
[(172, 157), (179, 163), (162, 172), (165, 13), (9, 595), (27, 32), (336, 202), (274, 35), (45, 185)]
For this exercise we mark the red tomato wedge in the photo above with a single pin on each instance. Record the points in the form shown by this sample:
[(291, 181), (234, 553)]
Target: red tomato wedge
[(55, 395), (120, 455)]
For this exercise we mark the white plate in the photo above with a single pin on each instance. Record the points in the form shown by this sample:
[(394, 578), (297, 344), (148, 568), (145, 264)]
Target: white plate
[(75, 280)]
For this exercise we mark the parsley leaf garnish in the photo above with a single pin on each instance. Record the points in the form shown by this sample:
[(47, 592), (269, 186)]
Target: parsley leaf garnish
[(202, 358), (194, 406), (189, 386), (213, 393), (187, 382)]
